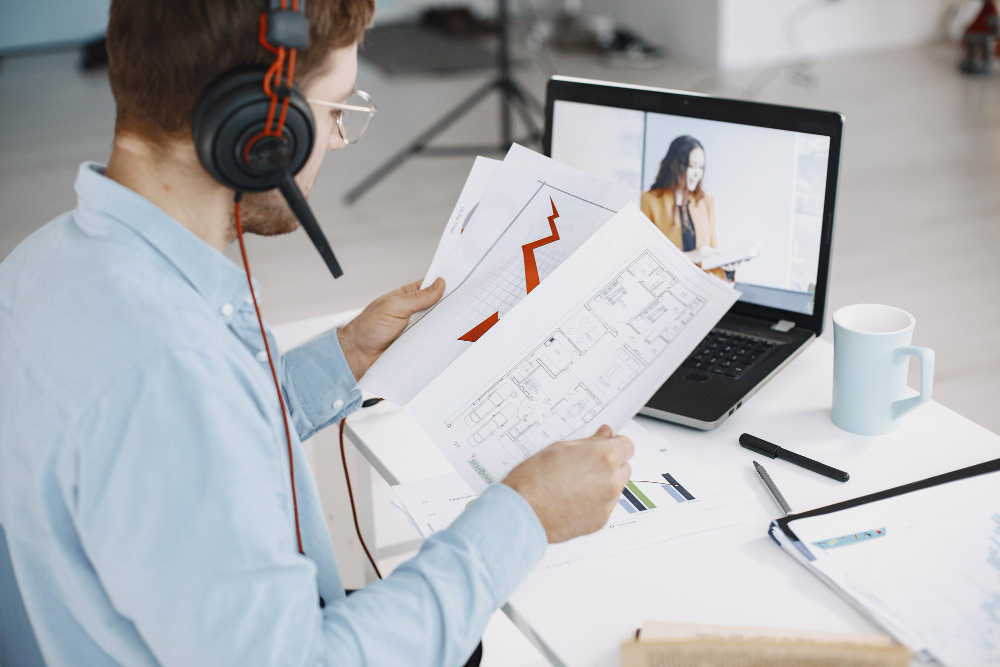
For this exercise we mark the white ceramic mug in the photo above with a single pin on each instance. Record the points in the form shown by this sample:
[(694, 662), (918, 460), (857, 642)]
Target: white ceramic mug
[(870, 358)]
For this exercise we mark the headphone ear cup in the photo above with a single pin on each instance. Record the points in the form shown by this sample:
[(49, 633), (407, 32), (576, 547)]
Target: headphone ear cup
[(230, 113)]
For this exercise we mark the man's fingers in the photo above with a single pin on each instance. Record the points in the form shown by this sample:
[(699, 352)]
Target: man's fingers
[(603, 432), (622, 474), (624, 446), (400, 291), (619, 448)]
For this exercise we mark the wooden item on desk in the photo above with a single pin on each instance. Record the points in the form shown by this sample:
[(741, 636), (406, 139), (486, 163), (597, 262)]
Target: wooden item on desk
[(661, 644)]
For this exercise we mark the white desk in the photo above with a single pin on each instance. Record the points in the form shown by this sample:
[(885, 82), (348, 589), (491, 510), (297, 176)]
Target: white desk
[(731, 576)]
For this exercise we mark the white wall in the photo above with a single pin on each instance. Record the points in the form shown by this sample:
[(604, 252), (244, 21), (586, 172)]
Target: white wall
[(753, 33), (31, 24), (737, 34)]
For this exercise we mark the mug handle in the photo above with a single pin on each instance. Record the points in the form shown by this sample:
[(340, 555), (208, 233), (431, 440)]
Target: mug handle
[(926, 357)]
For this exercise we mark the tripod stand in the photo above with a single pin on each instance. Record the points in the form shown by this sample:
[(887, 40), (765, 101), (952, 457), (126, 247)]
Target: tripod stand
[(512, 96)]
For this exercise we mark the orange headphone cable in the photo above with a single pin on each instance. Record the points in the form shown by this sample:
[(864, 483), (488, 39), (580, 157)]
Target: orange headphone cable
[(284, 415), (274, 373), (350, 494)]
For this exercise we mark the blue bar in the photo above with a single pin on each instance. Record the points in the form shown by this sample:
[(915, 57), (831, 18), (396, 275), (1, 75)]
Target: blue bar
[(673, 492), (628, 508), (632, 499)]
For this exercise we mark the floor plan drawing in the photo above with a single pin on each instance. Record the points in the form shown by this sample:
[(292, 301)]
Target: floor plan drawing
[(565, 381), (588, 346)]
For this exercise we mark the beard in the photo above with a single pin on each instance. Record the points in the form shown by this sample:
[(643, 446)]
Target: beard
[(268, 214)]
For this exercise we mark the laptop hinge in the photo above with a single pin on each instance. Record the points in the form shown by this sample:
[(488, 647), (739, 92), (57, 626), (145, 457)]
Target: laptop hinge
[(784, 326)]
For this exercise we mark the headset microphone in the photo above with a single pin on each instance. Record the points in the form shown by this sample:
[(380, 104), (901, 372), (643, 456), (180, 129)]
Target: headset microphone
[(297, 202)]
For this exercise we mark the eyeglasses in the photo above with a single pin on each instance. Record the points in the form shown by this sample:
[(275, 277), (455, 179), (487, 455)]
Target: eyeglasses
[(352, 116)]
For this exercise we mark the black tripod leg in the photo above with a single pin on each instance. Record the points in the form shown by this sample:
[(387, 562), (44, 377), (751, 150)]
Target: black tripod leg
[(420, 142), (516, 97), (532, 102)]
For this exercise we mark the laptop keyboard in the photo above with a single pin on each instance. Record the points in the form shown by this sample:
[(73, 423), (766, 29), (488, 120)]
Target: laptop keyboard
[(727, 354)]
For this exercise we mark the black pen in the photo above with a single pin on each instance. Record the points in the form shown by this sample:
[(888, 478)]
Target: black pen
[(755, 444)]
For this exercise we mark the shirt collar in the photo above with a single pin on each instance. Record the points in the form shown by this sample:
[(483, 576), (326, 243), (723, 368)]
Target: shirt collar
[(210, 272)]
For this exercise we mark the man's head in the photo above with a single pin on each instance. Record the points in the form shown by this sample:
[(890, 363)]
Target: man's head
[(163, 54)]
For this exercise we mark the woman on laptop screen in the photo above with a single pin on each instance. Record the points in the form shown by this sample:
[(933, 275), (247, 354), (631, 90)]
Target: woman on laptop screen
[(681, 209)]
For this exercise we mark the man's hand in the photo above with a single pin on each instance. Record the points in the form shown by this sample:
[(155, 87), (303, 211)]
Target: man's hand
[(574, 485), (366, 337)]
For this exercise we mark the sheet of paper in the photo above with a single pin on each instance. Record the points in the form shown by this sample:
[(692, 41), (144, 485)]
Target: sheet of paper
[(479, 179), (729, 256), (590, 346), (483, 171), (925, 564), (529, 221), (705, 503)]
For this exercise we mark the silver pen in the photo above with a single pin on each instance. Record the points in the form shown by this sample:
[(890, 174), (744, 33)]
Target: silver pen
[(772, 490)]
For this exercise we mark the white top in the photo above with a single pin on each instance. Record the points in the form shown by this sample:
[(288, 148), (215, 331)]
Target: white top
[(729, 576)]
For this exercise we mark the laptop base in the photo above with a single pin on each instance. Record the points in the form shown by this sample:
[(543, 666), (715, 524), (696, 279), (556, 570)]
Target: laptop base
[(702, 397)]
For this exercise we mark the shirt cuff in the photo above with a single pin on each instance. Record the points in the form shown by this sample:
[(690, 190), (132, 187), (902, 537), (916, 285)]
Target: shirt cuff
[(319, 385), (507, 534)]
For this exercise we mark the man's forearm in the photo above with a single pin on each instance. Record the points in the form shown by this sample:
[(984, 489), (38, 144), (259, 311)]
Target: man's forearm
[(436, 605)]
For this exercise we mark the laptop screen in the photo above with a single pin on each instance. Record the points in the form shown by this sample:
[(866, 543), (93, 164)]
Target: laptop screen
[(745, 201)]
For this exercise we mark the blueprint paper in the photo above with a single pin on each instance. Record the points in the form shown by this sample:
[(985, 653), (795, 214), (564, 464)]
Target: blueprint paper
[(432, 504), (588, 347), (526, 224)]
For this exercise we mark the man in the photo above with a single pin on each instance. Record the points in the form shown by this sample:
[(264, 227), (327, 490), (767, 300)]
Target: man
[(145, 504)]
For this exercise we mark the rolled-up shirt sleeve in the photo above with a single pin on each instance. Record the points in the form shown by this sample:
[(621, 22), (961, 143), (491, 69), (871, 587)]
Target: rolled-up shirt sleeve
[(319, 386), (181, 499)]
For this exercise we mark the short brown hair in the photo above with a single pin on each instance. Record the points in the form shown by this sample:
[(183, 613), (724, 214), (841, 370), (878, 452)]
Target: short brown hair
[(164, 53)]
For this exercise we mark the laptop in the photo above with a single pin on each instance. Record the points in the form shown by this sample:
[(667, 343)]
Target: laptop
[(745, 189)]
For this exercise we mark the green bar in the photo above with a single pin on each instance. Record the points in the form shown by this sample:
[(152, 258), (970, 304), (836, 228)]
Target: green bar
[(640, 495)]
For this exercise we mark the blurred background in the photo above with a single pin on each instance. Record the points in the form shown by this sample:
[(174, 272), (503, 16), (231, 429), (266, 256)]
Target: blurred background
[(918, 217)]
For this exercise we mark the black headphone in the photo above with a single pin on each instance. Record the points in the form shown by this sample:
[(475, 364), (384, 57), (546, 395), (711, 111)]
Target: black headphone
[(253, 129)]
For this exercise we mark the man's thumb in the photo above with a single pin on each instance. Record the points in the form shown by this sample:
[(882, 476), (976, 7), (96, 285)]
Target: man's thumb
[(427, 297), (604, 432)]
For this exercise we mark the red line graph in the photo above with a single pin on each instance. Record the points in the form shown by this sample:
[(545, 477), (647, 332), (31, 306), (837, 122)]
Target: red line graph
[(531, 278), (474, 334)]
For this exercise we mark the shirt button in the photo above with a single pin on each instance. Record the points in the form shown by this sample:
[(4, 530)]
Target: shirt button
[(262, 356), (227, 310), (338, 404)]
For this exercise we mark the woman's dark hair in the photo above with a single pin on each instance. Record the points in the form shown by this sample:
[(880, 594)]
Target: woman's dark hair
[(675, 164)]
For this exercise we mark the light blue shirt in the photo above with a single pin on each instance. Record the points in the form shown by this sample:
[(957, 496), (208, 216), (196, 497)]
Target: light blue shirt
[(145, 502)]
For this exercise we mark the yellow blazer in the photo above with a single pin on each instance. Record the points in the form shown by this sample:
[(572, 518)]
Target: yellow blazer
[(660, 206)]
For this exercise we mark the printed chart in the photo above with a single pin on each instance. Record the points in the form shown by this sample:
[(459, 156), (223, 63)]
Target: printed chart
[(432, 504), (634, 500), (531, 277), (547, 229)]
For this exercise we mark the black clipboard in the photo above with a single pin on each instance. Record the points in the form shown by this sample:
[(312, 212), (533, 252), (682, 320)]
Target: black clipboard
[(953, 476)]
